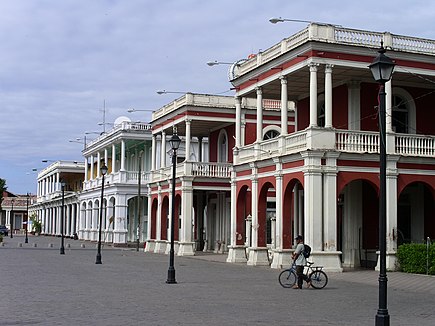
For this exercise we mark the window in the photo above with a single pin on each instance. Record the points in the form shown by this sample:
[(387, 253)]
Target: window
[(400, 120), (223, 147), (270, 134)]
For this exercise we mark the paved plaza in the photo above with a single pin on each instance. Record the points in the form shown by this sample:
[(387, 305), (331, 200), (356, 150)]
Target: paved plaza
[(41, 287)]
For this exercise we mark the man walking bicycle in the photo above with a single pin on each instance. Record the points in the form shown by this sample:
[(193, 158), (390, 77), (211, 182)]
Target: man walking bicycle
[(300, 262)]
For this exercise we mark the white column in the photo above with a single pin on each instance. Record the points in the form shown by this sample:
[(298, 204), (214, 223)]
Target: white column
[(86, 168), (163, 148), (57, 181), (313, 199), (254, 210), (122, 155), (328, 96), (284, 106), (238, 121), (153, 152), (388, 106), (106, 157), (188, 137), (98, 164), (92, 167), (186, 244), (113, 158), (259, 115), (313, 94)]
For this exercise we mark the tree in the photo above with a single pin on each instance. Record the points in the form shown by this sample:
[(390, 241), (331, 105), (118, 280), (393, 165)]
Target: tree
[(3, 188)]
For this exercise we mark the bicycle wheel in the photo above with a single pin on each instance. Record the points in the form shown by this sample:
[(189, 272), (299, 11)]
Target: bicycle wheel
[(319, 279), (287, 278)]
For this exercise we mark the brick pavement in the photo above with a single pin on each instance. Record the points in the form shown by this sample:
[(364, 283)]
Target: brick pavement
[(42, 287)]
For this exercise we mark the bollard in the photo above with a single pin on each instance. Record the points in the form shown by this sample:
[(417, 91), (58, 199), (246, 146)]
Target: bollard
[(2, 244), (35, 245), (68, 245), (82, 245), (20, 244), (50, 245)]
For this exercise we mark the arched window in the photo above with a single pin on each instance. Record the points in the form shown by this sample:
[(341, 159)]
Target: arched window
[(403, 112), (271, 132), (222, 147)]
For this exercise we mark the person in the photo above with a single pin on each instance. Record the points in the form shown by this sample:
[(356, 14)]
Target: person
[(300, 262)]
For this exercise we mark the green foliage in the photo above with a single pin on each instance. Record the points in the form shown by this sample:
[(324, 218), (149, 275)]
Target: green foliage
[(412, 258), (36, 225)]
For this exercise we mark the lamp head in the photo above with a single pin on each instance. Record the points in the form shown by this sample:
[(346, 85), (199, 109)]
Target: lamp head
[(175, 141), (382, 66), (212, 63), (275, 20), (104, 169)]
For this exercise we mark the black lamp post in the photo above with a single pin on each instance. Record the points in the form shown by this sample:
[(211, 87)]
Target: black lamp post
[(12, 217), (175, 143), (26, 240), (62, 218), (103, 171), (382, 69)]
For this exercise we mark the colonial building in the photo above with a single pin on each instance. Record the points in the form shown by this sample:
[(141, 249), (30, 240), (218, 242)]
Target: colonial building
[(320, 173), (59, 184), (125, 150), (15, 211)]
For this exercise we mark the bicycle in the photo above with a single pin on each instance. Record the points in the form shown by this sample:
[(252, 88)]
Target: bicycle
[(288, 277)]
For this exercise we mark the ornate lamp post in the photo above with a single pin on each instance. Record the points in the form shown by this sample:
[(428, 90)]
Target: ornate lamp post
[(175, 143), (382, 69), (12, 218), (26, 240), (62, 218), (103, 171)]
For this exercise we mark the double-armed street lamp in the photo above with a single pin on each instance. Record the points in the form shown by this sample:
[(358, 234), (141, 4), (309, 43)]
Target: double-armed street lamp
[(103, 171), (382, 68), (175, 144), (12, 218), (62, 218)]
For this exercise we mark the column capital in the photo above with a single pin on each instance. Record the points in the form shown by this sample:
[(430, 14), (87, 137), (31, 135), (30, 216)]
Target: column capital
[(283, 80), (188, 121), (313, 66), (328, 68), (259, 90)]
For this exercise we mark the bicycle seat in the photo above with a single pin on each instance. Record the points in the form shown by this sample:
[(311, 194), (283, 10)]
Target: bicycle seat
[(309, 263)]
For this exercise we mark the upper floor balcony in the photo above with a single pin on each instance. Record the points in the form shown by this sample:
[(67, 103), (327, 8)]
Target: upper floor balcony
[(349, 141)]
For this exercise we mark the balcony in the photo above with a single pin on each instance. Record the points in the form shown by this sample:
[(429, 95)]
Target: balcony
[(339, 140), (212, 170)]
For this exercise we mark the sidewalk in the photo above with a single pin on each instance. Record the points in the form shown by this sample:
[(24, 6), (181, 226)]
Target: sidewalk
[(42, 287)]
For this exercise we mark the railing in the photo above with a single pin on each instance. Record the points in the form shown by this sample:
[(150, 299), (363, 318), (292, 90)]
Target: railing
[(415, 145), (134, 176), (357, 141), (125, 125), (339, 35), (211, 169)]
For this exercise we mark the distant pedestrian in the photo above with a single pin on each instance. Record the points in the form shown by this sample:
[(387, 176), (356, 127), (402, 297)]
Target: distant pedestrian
[(300, 262)]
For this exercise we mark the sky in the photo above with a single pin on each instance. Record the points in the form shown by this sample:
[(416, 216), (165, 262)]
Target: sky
[(67, 66)]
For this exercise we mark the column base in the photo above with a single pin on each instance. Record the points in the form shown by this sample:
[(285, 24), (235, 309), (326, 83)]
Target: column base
[(168, 247), (391, 263), (281, 258), (186, 249), (119, 237), (160, 246), (150, 246), (330, 260), (258, 256), (237, 254)]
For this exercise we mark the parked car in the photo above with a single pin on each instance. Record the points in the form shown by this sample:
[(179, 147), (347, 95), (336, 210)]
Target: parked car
[(4, 230)]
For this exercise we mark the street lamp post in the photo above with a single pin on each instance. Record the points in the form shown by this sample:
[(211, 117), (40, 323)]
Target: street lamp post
[(62, 219), (26, 240), (103, 171), (382, 68), (12, 218), (138, 202), (175, 143)]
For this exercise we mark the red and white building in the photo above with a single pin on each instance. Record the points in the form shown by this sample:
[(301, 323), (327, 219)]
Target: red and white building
[(297, 152)]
